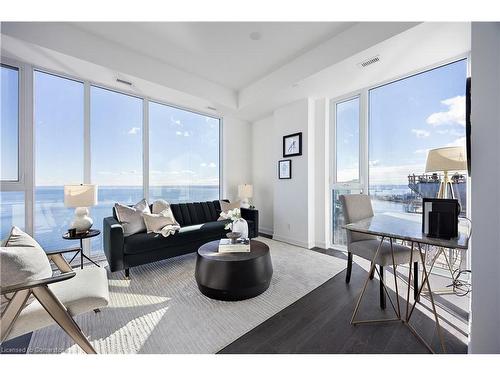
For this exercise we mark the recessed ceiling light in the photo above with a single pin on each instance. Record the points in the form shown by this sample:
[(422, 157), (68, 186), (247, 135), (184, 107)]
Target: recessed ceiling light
[(255, 35)]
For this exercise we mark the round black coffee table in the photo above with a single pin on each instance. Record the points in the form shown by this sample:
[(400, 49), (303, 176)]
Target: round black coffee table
[(233, 276)]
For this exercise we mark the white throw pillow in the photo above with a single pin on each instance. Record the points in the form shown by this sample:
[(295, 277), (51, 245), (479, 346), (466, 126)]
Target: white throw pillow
[(131, 218), (162, 216), (226, 206), (22, 260)]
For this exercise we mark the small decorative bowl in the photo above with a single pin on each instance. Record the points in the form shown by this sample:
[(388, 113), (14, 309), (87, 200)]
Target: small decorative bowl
[(233, 236)]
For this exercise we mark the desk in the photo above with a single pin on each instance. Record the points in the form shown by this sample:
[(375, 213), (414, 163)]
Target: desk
[(407, 227)]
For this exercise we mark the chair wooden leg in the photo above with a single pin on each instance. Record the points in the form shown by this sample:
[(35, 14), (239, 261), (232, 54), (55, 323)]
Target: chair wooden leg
[(415, 281), (349, 268), (381, 286), (59, 313)]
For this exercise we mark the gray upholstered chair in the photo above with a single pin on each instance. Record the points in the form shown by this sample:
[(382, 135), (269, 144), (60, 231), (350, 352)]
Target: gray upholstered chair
[(57, 300), (358, 207)]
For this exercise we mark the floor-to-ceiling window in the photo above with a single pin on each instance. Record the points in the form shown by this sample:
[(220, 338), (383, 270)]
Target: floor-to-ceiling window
[(83, 133), (116, 152), (183, 155), (58, 133), (12, 201), (346, 156), (407, 118), (384, 153)]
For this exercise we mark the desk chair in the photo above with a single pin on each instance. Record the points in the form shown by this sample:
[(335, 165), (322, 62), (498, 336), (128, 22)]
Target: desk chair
[(357, 207)]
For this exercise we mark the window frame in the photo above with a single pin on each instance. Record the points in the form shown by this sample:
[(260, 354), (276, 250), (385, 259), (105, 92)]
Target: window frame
[(364, 130), (27, 163)]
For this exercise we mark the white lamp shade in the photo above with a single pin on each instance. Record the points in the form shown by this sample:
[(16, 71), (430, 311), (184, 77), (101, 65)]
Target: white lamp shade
[(446, 159), (245, 191), (80, 195)]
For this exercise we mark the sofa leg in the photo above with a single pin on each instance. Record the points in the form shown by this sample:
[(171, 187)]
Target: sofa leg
[(127, 273)]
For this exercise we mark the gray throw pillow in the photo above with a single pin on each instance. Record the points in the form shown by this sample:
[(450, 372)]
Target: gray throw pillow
[(131, 218), (22, 260)]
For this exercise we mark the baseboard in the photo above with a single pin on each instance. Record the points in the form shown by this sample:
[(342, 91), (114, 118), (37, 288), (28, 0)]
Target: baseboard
[(266, 231), (291, 241), (321, 245), (265, 235)]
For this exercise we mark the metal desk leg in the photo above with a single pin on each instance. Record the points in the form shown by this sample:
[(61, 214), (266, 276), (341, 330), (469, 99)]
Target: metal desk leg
[(373, 266)]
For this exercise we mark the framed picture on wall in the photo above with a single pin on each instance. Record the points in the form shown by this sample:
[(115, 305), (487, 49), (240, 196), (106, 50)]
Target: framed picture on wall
[(285, 169), (292, 145)]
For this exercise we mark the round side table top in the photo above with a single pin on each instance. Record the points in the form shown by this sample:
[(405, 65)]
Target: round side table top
[(80, 236), (210, 251)]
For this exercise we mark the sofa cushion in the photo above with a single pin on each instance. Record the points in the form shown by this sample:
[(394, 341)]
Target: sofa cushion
[(145, 242)]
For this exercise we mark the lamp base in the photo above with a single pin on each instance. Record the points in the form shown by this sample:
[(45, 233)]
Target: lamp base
[(82, 222), (244, 203)]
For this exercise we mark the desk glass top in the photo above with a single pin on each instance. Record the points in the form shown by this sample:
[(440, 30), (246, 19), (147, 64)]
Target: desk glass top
[(408, 227)]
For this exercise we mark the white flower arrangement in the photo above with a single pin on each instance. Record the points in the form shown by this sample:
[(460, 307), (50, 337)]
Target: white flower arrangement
[(232, 215)]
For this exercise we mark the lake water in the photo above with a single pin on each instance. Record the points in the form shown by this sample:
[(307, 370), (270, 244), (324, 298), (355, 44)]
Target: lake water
[(52, 219)]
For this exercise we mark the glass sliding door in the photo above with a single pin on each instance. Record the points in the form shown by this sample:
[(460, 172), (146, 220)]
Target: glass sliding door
[(116, 153), (58, 132), (346, 136), (406, 119), (184, 155)]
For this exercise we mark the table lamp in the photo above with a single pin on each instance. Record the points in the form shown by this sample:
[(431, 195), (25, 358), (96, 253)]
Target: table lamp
[(80, 197), (446, 159), (245, 192)]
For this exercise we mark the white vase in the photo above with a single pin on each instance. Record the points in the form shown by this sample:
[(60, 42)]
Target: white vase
[(241, 226)]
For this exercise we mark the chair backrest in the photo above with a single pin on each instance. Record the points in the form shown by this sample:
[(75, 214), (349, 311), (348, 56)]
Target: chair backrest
[(356, 207)]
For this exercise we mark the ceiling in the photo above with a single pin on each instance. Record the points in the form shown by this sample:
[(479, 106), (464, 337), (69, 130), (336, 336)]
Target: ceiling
[(221, 52)]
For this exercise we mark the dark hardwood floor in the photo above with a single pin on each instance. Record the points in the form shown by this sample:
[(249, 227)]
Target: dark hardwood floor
[(319, 323)]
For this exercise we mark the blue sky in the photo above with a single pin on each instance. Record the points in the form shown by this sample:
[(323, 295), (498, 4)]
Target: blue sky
[(407, 118), (9, 120), (183, 145)]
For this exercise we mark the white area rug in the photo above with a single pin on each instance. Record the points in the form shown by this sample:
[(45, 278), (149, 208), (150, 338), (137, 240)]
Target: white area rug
[(161, 310)]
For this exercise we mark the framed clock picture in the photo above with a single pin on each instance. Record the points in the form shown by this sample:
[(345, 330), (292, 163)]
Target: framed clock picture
[(292, 145), (285, 169)]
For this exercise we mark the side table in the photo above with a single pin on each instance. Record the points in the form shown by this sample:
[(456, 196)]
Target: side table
[(81, 236)]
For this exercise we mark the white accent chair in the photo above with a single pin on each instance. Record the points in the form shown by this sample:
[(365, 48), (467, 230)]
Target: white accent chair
[(57, 300), (357, 207)]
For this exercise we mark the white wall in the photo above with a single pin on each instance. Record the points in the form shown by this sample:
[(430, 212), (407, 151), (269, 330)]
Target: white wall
[(485, 188), (264, 171), (236, 156), (296, 210), (293, 210)]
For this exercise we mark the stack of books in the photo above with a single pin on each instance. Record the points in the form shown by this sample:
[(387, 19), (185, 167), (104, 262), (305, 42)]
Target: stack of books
[(242, 245)]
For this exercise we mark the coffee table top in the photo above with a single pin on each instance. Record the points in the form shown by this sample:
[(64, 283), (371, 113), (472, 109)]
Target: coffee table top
[(210, 251)]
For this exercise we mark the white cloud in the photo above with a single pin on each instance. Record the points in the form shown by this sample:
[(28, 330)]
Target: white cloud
[(373, 163), (422, 151), (175, 122), (178, 133), (455, 114), (134, 130), (421, 133), (186, 134), (211, 165), (457, 142), (203, 164)]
